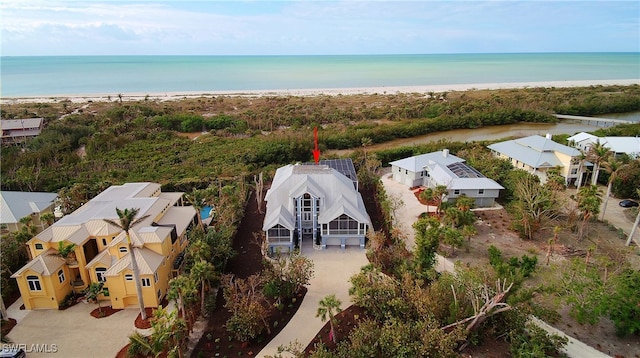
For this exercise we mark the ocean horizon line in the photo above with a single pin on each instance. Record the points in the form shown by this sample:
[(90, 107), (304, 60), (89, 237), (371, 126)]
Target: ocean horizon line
[(330, 55)]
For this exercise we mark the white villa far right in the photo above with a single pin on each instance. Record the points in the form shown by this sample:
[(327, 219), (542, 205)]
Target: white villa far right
[(618, 145)]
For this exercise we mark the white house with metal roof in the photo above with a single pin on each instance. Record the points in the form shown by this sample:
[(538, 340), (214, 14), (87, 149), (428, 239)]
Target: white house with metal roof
[(537, 154), (102, 253), (443, 168), (618, 145), (16, 205), (316, 204)]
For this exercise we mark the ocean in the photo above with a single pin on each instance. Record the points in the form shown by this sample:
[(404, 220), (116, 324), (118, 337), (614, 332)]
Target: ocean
[(85, 75)]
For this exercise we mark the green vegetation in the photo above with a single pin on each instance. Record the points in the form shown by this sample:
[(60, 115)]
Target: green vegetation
[(413, 310)]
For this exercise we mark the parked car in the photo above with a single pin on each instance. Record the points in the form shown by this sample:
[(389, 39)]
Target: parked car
[(626, 203)]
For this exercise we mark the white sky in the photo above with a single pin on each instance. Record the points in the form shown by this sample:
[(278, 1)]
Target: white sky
[(34, 27)]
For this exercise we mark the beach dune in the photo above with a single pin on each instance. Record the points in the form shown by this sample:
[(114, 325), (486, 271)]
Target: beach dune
[(169, 96)]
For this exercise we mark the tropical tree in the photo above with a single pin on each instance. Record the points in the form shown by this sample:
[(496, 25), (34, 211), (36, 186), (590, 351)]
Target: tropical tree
[(66, 251), (589, 203), (127, 220), (535, 205), (597, 153), (613, 166), (203, 271), (48, 218), (328, 307), (182, 290), (635, 225), (435, 195), (581, 159), (246, 302), (92, 294)]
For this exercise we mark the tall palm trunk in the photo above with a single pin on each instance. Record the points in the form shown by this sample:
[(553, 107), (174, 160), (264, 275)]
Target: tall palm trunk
[(633, 229), (606, 199), (595, 173), (136, 277)]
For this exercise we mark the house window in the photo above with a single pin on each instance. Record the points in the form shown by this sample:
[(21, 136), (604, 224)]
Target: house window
[(100, 274), (343, 225), (155, 277), (39, 247), (123, 249), (480, 191), (128, 277), (456, 191), (61, 276), (399, 170), (406, 171), (279, 233), (574, 171), (159, 294), (34, 283), (104, 242), (146, 282)]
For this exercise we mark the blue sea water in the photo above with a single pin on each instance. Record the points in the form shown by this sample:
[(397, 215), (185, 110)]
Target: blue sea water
[(80, 75)]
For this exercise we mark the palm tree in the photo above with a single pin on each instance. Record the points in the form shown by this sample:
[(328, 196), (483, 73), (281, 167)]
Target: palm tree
[(589, 203), (613, 166), (126, 222), (435, 195), (598, 153), (182, 289), (203, 271), (93, 292), (48, 218), (635, 224), (581, 158), (327, 307)]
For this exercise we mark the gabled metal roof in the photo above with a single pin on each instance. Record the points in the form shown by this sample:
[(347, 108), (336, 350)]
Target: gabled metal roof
[(44, 264), (535, 151), (320, 181), (148, 262), (14, 205)]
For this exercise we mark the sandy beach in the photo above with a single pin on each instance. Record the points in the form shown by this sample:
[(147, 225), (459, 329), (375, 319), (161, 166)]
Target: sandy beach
[(170, 96)]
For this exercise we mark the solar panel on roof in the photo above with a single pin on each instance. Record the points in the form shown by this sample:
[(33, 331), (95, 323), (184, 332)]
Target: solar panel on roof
[(343, 166), (462, 170)]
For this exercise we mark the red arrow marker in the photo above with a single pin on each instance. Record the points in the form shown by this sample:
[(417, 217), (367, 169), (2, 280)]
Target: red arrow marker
[(316, 151)]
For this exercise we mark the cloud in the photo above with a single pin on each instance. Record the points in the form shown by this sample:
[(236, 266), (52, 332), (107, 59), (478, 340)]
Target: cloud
[(303, 27)]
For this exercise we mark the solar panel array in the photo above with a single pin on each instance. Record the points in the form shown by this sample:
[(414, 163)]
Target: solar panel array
[(462, 170), (343, 166)]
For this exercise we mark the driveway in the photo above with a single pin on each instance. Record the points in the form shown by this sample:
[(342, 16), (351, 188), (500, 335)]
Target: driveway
[(71, 333), (333, 268)]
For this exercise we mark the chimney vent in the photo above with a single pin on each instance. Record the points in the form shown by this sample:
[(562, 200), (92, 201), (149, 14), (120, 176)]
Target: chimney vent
[(445, 153), (548, 136)]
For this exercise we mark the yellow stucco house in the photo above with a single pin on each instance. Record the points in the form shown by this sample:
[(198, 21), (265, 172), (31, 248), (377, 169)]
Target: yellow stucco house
[(537, 155), (102, 254)]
